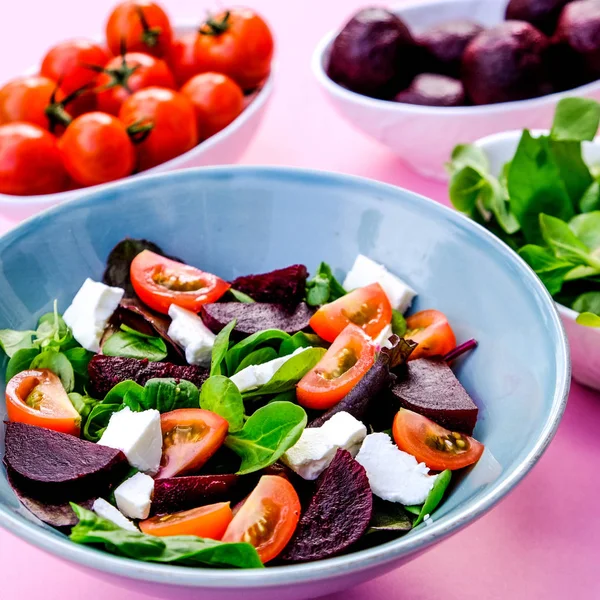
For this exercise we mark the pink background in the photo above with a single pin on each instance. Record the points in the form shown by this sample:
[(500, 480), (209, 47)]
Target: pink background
[(540, 541)]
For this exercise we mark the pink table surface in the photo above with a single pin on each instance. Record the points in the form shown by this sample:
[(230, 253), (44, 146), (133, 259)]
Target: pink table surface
[(542, 540)]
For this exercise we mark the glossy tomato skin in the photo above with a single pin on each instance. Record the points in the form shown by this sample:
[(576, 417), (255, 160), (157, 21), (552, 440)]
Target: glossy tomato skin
[(96, 149), (205, 521), (37, 397), (437, 447), (30, 161), (68, 62), (344, 364), (268, 518), (174, 124), (432, 332), (142, 26), (160, 282), (217, 100), (127, 74), (190, 437), (241, 46), (182, 58), (367, 307)]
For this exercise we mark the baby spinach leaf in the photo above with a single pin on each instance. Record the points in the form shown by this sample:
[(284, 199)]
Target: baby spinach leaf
[(465, 186), (551, 270), (79, 359), (399, 326), (389, 516), (220, 348), (588, 302), (300, 340), (535, 186), (573, 170), (221, 396), (469, 155), (323, 287), (59, 364), (590, 200), (240, 296), (98, 419), (52, 331), (435, 496), (576, 119), (290, 373), (130, 344), (587, 229), (119, 392), (267, 434), (588, 319), (169, 394), (20, 361), (82, 404), (11, 341), (237, 353), (258, 357), (564, 243), (185, 550)]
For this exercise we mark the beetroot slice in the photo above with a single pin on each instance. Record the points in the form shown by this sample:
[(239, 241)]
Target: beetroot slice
[(57, 467), (338, 514), (181, 493), (106, 371), (254, 317), (431, 389), (282, 286)]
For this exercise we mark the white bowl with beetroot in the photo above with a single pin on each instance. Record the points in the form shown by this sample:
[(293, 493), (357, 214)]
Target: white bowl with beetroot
[(390, 106)]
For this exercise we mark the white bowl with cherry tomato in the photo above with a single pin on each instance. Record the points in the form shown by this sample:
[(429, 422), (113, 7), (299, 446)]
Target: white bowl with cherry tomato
[(157, 97)]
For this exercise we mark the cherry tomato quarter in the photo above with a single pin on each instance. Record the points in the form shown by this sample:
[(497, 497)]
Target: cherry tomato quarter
[(432, 444), (432, 332)]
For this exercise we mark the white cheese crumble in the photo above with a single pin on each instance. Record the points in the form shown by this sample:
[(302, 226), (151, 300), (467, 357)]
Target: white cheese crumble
[(107, 511), (189, 331)]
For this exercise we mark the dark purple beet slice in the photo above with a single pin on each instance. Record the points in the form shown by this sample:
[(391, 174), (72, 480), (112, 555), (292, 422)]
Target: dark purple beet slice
[(255, 317), (181, 493), (430, 89), (56, 467), (60, 516), (106, 371), (338, 514), (282, 286), (430, 388)]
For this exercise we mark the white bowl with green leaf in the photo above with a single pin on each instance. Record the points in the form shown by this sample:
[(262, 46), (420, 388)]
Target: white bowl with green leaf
[(539, 191)]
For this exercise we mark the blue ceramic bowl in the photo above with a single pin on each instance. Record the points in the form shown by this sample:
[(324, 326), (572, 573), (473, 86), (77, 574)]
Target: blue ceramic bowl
[(235, 220)]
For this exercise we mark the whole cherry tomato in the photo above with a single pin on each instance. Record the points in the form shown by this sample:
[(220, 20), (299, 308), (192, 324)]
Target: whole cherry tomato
[(217, 99), (141, 26), (30, 161), (182, 57), (238, 43), (69, 64), (124, 75), (96, 148), (173, 121)]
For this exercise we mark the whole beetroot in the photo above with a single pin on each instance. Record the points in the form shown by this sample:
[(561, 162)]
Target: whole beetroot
[(506, 63), (374, 54), (429, 89), (444, 45), (542, 14)]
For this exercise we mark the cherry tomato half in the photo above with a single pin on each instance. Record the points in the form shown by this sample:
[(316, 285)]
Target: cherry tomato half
[(430, 443), (160, 282), (124, 75), (236, 42), (205, 522), (182, 57), (431, 330), (268, 517), (141, 26), (367, 307), (173, 121), (68, 63), (217, 100), (30, 161), (190, 437), (341, 368), (37, 397), (96, 148)]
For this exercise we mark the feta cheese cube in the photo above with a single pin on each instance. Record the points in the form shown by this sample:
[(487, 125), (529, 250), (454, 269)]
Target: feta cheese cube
[(138, 435), (366, 271), (393, 474), (254, 376), (107, 511), (89, 312), (189, 331), (134, 496), (317, 446)]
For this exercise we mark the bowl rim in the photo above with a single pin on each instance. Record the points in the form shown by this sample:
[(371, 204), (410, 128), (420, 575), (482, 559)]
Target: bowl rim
[(317, 65), (247, 114), (336, 567)]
